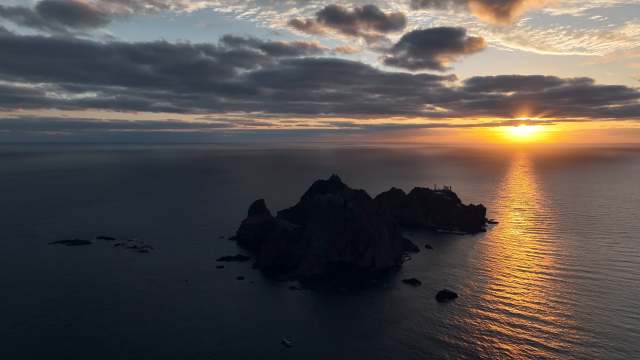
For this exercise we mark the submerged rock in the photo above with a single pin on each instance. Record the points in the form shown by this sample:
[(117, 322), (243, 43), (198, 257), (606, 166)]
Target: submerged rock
[(72, 242), (240, 278), (238, 257), (445, 295), (412, 281), (220, 267), (101, 237), (428, 246)]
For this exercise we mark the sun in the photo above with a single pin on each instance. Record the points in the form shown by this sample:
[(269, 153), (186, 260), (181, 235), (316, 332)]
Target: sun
[(524, 133), (523, 130)]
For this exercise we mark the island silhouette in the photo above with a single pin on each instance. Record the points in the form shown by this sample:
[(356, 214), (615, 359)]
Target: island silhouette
[(342, 234)]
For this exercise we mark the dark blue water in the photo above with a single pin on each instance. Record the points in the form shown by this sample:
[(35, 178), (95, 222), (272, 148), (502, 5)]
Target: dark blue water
[(559, 277)]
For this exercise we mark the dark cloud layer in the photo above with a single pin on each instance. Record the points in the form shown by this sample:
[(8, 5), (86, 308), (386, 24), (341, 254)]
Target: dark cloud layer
[(275, 48), (63, 124), (53, 124), (259, 79), (69, 16), (368, 22), (73, 13), (432, 48), (57, 15), (496, 11), (513, 83)]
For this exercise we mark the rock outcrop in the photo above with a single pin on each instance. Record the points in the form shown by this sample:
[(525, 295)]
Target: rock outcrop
[(424, 207), (446, 295), (257, 227), (412, 281), (338, 232), (72, 242), (238, 257)]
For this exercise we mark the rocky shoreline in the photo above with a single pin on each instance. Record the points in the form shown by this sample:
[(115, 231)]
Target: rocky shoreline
[(336, 233)]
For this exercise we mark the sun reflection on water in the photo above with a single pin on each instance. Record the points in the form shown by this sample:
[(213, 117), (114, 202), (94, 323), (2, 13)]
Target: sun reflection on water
[(520, 311)]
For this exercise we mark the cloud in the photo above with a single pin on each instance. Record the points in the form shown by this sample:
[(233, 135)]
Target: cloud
[(432, 48), (69, 16), (347, 49), (65, 124), (494, 11), (275, 48), (521, 83), (260, 80), (564, 40), (75, 14), (539, 32), (367, 22), (58, 16), (62, 124), (550, 96)]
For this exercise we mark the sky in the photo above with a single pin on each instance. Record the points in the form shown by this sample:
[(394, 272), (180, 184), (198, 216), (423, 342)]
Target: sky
[(420, 71)]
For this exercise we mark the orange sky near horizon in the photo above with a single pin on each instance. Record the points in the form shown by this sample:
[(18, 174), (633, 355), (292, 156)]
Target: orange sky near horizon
[(596, 132)]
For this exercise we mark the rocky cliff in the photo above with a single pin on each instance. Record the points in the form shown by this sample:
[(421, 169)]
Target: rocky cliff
[(335, 230), (432, 208)]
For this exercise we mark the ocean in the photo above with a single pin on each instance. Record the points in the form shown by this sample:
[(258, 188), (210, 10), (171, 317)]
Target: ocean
[(557, 278)]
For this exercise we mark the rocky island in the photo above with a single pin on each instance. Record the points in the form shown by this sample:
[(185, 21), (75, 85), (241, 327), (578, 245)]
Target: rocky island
[(335, 231)]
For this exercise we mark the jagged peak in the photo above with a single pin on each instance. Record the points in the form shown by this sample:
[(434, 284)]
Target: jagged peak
[(258, 208), (321, 187), (297, 213)]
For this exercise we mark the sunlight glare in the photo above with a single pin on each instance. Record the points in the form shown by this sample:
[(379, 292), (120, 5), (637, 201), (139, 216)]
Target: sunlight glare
[(524, 133)]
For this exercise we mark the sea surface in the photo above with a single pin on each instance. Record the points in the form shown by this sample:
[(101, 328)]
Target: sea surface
[(557, 278)]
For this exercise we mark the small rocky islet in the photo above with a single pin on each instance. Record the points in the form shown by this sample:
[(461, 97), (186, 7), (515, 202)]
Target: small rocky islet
[(139, 248), (446, 295), (412, 281), (72, 242), (339, 234), (239, 258)]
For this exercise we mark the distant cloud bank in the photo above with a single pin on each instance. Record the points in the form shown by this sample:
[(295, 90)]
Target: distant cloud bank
[(282, 79)]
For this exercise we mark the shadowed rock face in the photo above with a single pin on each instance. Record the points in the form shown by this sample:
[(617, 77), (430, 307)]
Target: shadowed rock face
[(257, 227), (334, 229), (408, 245), (335, 224), (298, 213)]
